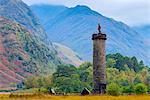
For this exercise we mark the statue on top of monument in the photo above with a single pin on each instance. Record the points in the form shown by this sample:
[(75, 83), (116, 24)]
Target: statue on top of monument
[(99, 28)]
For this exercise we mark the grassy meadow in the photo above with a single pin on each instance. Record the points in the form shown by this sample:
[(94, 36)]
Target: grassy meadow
[(30, 96)]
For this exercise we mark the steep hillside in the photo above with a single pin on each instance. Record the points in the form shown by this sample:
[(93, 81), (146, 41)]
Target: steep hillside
[(143, 30), (21, 55), (73, 27), (18, 11), (68, 56)]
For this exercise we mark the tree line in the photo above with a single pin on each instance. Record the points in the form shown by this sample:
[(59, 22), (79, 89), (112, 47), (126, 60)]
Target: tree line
[(125, 75)]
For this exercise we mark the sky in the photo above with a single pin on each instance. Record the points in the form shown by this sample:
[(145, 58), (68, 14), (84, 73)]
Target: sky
[(131, 12)]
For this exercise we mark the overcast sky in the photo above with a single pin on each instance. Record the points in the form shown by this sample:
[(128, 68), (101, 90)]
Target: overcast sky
[(131, 12)]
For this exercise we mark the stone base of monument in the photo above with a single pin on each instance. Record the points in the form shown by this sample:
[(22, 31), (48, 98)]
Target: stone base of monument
[(100, 90)]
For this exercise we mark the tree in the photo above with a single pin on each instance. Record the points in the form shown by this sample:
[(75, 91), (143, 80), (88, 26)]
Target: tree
[(144, 75), (130, 76), (141, 65), (64, 70), (122, 79), (134, 62), (31, 82), (47, 81), (138, 79), (110, 63), (112, 74), (66, 80), (148, 80), (113, 89), (86, 76), (140, 88), (85, 66), (128, 89)]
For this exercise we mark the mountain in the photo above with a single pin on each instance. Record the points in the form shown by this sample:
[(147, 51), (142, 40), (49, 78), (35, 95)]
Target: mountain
[(21, 55), (18, 11), (74, 27), (24, 47), (68, 55), (143, 30)]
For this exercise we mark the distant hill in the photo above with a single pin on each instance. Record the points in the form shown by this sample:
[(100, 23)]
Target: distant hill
[(67, 55), (74, 26), (21, 55)]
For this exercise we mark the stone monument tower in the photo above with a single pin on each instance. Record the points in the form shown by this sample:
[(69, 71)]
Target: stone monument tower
[(99, 62)]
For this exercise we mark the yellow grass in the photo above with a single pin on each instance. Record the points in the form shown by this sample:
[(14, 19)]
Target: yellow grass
[(30, 96)]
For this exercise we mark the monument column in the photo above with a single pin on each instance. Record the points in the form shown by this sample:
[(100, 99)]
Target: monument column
[(99, 62)]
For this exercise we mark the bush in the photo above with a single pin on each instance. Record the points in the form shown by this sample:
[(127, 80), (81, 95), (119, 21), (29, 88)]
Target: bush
[(140, 88), (148, 90), (43, 90), (113, 89), (128, 89)]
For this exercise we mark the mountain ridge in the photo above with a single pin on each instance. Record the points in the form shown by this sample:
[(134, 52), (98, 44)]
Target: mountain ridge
[(74, 27)]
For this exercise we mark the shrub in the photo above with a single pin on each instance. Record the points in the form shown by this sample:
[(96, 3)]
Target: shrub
[(140, 88), (113, 89), (43, 90), (128, 89), (148, 90)]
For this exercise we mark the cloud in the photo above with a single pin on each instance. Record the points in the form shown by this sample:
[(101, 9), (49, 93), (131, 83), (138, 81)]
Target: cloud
[(131, 12)]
